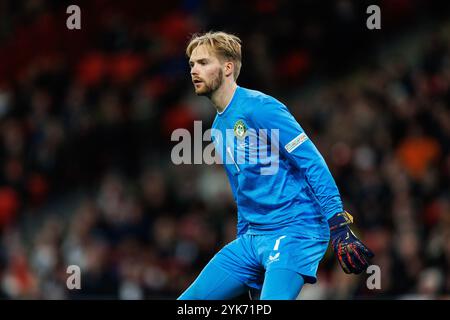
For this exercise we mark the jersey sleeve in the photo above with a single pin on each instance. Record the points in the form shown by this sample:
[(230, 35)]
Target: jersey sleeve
[(295, 145)]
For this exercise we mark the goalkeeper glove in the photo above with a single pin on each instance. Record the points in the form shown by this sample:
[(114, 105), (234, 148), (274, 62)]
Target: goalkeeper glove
[(352, 254)]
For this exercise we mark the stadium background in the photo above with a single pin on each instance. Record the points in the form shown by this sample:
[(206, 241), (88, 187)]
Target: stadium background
[(86, 118)]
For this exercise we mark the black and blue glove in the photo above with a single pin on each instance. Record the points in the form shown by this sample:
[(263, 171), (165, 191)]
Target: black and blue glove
[(352, 254)]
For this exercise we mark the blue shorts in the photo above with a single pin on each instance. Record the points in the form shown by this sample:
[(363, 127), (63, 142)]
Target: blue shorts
[(248, 257)]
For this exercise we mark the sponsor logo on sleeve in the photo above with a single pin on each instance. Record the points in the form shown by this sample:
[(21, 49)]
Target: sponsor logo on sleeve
[(296, 142)]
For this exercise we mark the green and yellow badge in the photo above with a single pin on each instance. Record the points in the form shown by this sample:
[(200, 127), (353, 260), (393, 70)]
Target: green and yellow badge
[(240, 129)]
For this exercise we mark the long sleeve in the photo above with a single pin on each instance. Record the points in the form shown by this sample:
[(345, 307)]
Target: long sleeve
[(295, 145)]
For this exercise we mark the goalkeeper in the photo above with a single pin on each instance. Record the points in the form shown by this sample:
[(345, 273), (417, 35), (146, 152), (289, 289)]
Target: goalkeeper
[(288, 203)]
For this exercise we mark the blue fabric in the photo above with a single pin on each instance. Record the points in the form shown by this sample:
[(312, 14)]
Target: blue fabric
[(213, 283), (279, 179), (281, 284), (249, 257), (285, 195), (278, 264)]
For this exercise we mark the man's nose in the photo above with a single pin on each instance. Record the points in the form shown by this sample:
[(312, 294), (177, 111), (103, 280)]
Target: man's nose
[(194, 71)]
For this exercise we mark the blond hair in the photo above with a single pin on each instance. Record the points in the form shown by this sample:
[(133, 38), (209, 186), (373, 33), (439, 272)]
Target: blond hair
[(225, 45)]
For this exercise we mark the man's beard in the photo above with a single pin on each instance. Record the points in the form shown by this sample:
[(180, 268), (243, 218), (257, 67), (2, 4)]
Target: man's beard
[(212, 86)]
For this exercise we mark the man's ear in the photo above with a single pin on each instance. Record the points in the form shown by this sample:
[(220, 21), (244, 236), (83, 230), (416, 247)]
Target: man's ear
[(229, 68)]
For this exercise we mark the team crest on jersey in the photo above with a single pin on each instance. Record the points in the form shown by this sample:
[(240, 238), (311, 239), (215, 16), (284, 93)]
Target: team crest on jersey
[(240, 129)]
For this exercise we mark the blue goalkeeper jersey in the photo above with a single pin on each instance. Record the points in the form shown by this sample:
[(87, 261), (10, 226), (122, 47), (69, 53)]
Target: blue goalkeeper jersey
[(279, 179)]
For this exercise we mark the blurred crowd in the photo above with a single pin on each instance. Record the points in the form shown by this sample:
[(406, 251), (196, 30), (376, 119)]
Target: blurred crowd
[(86, 119)]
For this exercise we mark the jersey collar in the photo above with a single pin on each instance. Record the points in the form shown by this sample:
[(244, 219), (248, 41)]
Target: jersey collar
[(229, 103)]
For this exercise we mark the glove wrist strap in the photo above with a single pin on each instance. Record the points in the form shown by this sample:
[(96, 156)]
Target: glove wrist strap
[(339, 220)]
